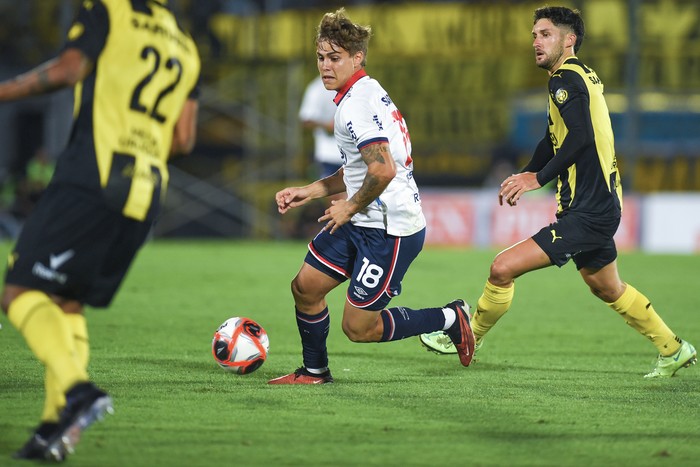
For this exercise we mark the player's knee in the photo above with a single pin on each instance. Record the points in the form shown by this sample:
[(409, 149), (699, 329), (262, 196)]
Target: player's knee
[(500, 274), (296, 288), (5, 301), (351, 332), (608, 295), (9, 294), (305, 296), (299, 292), (68, 306), (356, 333)]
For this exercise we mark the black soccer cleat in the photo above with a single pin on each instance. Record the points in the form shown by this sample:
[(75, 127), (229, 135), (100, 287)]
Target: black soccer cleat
[(36, 447), (85, 404)]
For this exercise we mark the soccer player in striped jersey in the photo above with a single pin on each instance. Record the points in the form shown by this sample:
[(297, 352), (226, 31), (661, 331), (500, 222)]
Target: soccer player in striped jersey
[(134, 73), (372, 236), (578, 151)]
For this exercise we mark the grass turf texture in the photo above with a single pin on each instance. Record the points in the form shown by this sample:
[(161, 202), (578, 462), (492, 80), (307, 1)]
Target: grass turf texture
[(558, 382)]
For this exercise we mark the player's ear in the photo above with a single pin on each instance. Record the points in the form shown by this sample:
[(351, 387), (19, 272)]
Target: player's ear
[(357, 60)]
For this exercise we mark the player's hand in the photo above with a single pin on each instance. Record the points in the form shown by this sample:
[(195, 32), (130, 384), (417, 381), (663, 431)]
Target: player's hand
[(340, 212), (515, 186), (291, 197)]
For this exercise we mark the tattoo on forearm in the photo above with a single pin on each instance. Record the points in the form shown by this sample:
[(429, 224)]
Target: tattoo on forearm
[(371, 186), (43, 81), (369, 190)]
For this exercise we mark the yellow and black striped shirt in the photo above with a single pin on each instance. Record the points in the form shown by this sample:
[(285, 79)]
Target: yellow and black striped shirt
[(146, 67), (579, 147)]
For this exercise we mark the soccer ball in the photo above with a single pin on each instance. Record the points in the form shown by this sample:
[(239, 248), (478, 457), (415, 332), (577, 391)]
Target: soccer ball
[(240, 345)]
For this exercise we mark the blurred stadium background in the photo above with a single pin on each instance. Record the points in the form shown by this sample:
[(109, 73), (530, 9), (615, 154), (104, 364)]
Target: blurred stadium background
[(463, 75)]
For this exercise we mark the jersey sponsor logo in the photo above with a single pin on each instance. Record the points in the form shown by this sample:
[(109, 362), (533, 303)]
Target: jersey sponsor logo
[(554, 140), (351, 131), (554, 236), (56, 261), (561, 95), (387, 100), (48, 274), (378, 122)]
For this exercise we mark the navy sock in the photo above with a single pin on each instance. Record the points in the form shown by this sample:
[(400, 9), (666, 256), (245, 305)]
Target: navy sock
[(313, 330), (401, 322)]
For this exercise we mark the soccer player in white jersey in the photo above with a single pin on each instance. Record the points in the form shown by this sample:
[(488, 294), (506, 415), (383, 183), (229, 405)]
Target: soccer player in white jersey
[(372, 236)]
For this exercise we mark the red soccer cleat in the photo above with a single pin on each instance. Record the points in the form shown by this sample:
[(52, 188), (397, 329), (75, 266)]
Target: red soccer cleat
[(461, 332), (303, 376)]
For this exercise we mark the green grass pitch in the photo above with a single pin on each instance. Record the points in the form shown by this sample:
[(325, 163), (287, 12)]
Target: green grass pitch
[(557, 383)]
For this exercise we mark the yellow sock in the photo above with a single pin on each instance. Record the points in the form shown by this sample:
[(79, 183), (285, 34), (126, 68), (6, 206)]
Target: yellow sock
[(55, 398), (637, 311), (78, 325), (492, 304), (48, 335)]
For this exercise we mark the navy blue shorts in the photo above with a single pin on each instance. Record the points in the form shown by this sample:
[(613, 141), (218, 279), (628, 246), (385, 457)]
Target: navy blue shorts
[(588, 243), (374, 261)]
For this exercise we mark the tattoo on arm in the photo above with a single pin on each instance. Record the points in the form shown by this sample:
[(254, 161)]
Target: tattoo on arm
[(374, 153), (372, 186), (370, 189), (43, 83)]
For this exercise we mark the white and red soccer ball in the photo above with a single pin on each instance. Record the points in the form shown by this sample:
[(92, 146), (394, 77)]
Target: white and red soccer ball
[(240, 345)]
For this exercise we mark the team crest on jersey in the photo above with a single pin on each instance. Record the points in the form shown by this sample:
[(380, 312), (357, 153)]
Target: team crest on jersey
[(561, 95), (75, 31)]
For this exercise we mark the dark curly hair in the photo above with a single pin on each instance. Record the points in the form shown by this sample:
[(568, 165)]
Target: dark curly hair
[(562, 16), (337, 29)]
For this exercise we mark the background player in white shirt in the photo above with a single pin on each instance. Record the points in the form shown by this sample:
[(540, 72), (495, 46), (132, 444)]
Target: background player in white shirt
[(372, 236), (316, 113)]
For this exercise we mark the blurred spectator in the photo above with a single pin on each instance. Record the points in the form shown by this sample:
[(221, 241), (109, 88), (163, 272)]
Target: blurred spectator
[(201, 12), (30, 188), (504, 160), (21, 191), (316, 114)]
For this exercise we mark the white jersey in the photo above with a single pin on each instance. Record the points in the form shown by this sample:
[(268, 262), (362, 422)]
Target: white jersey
[(317, 106), (366, 115)]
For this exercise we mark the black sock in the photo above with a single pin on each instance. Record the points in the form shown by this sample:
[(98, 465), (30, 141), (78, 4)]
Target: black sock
[(401, 322), (313, 330)]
